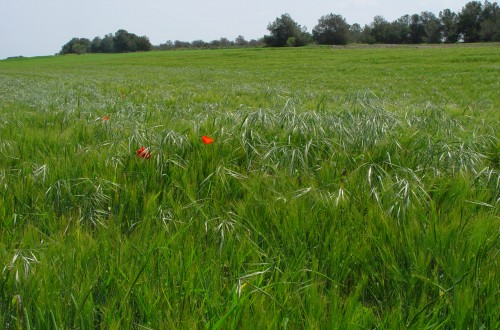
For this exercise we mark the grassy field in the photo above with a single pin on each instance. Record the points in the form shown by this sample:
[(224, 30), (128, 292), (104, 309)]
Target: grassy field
[(346, 188)]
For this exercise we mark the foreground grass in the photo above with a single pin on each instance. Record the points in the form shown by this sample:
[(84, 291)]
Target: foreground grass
[(345, 189)]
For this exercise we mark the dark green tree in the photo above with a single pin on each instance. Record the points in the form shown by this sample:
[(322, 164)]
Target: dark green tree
[(380, 30), (286, 32), (81, 47), (124, 41), (107, 44), (385, 32), (96, 44), (76, 46), (367, 35), (417, 29), (432, 28), (121, 41), (331, 30), (143, 44), (67, 47), (490, 25), (469, 21), (449, 24), (356, 33)]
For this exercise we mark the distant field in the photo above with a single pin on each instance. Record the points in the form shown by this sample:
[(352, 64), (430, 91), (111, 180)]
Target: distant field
[(346, 188)]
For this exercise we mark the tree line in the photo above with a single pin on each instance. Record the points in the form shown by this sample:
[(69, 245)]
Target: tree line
[(121, 42), (476, 22), (240, 41)]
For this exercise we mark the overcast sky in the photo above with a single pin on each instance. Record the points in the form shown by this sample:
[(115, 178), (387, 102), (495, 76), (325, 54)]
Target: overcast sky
[(41, 27)]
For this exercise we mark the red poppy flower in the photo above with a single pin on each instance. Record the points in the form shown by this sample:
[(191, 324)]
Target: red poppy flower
[(105, 118), (143, 152), (207, 139)]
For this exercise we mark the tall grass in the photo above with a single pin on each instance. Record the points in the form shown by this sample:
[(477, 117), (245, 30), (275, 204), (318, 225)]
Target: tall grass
[(353, 209)]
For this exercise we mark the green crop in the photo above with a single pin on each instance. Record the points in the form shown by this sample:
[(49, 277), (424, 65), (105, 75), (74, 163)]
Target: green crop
[(345, 188)]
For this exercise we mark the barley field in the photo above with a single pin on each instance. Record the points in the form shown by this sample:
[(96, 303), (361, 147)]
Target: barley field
[(297, 188)]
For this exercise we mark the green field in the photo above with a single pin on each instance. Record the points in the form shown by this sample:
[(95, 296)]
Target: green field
[(353, 188)]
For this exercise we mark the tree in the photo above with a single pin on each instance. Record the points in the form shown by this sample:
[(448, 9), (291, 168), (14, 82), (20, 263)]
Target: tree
[(67, 48), (168, 45), (397, 32), (120, 41), (285, 31), (181, 44), (256, 43), (240, 41), (95, 46), (198, 44), (81, 47), (76, 46), (417, 30), (432, 27), (469, 21), (449, 24), (367, 35), (379, 29), (143, 44), (356, 33), (107, 44), (214, 43), (225, 42), (124, 41), (490, 25), (331, 30)]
